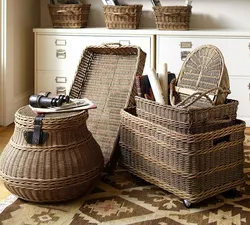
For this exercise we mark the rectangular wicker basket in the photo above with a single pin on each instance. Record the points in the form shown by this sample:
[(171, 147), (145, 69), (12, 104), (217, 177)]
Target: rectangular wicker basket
[(122, 17), (172, 17), (193, 167), (188, 120), (69, 15), (106, 75)]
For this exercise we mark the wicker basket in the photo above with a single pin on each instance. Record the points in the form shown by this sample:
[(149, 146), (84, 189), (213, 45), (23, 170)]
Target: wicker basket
[(203, 79), (57, 170), (193, 167), (188, 120), (69, 15), (122, 17), (172, 17), (106, 75)]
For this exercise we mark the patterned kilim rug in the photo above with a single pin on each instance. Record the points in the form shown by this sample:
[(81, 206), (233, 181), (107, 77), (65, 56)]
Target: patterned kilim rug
[(122, 199)]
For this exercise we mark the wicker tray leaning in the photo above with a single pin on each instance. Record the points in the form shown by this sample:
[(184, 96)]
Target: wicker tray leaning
[(203, 80), (106, 76)]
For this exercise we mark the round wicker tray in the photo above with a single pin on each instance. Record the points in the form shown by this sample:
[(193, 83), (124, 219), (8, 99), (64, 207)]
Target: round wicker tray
[(204, 71), (57, 170)]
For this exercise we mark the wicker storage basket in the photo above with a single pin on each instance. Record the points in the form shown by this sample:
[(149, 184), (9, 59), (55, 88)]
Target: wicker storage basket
[(188, 120), (203, 80), (193, 167), (106, 75), (69, 15), (172, 17), (122, 17), (65, 166)]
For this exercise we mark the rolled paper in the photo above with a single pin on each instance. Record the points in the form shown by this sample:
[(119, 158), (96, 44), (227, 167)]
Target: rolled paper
[(156, 87), (163, 78)]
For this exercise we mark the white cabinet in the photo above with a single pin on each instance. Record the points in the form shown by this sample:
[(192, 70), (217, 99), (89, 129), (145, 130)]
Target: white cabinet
[(58, 54), (172, 50)]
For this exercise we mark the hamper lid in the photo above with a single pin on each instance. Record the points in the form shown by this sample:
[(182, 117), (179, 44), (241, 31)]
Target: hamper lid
[(106, 75), (204, 70)]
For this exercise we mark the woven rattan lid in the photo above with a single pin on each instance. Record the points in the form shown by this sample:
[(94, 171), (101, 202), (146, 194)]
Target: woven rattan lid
[(25, 117), (204, 70)]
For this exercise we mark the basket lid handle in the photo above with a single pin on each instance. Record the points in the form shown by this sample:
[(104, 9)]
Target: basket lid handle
[(197, 94), (112, 44)]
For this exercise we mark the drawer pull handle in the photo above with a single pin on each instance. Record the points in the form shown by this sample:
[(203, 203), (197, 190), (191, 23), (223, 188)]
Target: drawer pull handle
[(60, 54), (61, 79), (186, 44), (60, 91), (184, 55), (60, 42)]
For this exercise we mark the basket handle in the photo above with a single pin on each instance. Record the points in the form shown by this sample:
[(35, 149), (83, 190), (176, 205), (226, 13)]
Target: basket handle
[(65, 11), (173, 14), (199, 95), (112, 44), (123, 14)]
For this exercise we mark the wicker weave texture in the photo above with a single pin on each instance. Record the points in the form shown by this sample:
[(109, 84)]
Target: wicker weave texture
[(172, 17), (106, 75), (69, 15), (122, 17), (58, 170), (188, 120), (193, 167), (203, 70)]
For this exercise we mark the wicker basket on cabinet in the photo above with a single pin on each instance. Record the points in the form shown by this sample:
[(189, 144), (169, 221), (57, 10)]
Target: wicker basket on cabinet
[(69, 15)]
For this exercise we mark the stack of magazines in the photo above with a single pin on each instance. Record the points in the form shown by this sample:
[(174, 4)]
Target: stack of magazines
[(72, 105)]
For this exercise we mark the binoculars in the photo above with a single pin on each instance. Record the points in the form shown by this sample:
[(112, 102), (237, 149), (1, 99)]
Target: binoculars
[(43, 100)]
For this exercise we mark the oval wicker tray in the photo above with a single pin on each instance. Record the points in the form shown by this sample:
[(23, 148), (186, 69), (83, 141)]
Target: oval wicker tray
[(203, 71)]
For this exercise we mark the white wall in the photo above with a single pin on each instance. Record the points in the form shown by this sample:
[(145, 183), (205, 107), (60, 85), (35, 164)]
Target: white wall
[(17, 62), (215, 14)]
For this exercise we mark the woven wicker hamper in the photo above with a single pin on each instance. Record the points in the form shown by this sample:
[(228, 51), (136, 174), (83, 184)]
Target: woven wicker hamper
[(69, 15), (64, 166), (191, 166), (122, 17), (188, 120), (172, 17), (106, 75)]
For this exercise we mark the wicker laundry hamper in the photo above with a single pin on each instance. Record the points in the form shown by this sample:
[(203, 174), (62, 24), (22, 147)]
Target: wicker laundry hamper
[(106, 75), (122, 17), (65, 164), (203, 80), (192, 166), (69, 15), (188, 120), (172, 17)]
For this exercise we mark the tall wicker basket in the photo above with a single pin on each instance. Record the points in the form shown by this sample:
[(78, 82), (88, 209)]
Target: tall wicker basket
[(122, 17), (69, 15), (192, 166), (172, 17), (65, 166)]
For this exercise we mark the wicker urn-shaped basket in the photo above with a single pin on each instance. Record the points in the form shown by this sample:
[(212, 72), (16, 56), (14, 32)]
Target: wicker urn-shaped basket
[(67, 165)]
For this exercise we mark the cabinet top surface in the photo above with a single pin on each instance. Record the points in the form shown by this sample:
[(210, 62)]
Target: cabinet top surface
[(144, 31)]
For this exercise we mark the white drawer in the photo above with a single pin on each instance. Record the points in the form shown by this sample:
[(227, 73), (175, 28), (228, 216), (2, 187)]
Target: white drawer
[(58, 52), (54, 82), (63, 53), (235, 51), (240, 90)]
